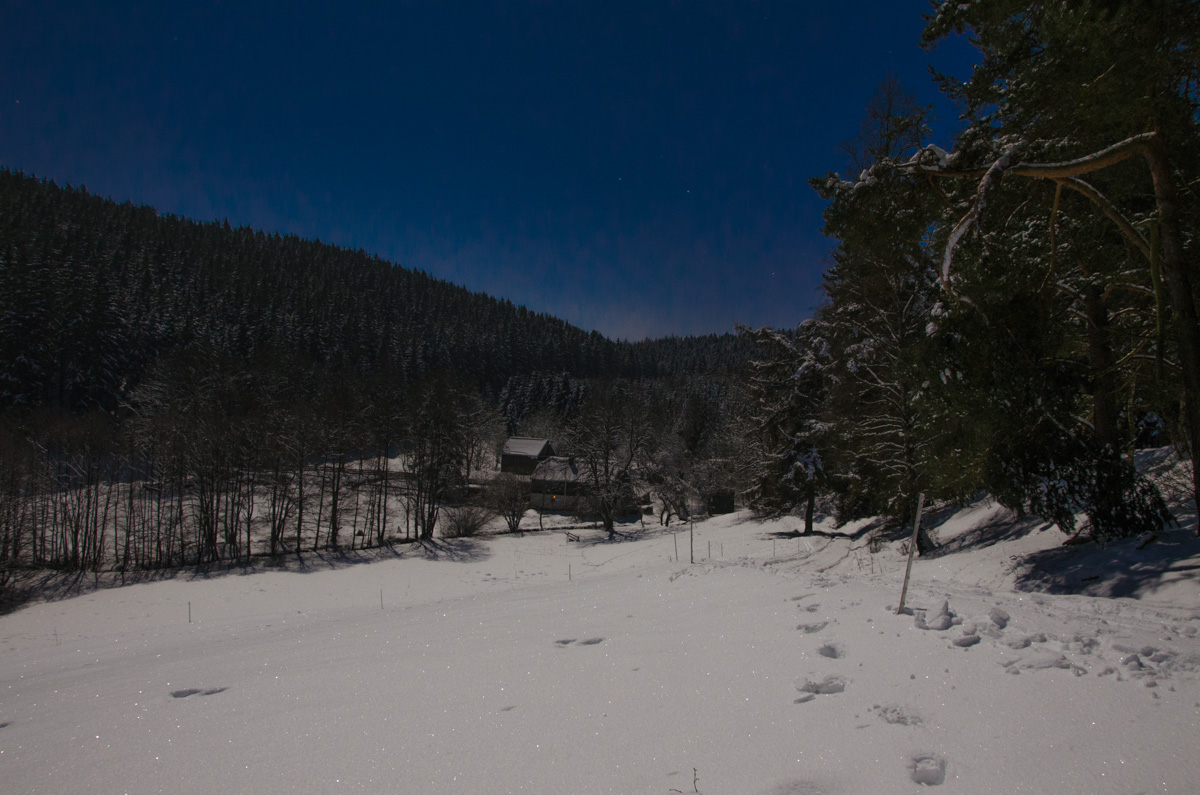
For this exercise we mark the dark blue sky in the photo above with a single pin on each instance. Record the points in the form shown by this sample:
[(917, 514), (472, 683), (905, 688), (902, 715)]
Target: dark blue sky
[(635, 167)]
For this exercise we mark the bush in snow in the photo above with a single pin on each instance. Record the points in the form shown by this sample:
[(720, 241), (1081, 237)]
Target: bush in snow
[(508, 496), (464, 521), (1117, 500)]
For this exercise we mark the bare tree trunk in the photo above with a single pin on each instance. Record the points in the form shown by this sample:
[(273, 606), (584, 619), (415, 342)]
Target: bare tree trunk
[(383, 494), (335, 493), (250, 480), (357, 496), (810, 508), (320, 505), (300, 503)]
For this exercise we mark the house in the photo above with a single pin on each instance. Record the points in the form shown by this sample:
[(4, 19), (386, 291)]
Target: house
[(521, 454), (560, 484), (567, 484)]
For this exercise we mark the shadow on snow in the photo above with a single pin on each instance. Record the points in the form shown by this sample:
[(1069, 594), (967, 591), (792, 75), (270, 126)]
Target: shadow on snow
[(1115, 571), (23, 586)]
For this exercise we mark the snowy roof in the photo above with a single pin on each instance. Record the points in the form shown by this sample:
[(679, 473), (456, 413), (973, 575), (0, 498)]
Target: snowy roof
[(525, 445)]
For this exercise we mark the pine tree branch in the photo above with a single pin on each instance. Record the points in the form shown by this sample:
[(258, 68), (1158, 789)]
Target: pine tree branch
[(1131, 233), (1065, 173)]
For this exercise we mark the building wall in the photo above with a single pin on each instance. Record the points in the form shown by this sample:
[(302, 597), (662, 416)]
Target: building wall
[(559, 502), (518, 464)]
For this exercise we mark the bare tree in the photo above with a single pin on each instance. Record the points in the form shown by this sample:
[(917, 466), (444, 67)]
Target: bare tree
[(482, 429), (508, 496), (607, 438), (435, 452)]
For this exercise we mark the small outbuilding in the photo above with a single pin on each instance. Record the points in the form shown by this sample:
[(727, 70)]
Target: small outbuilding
[(521, 454)]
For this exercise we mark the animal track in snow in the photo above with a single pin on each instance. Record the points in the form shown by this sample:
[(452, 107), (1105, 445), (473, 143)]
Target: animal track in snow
[(591, 641), (192, 691), (565, 641), (808, 629)]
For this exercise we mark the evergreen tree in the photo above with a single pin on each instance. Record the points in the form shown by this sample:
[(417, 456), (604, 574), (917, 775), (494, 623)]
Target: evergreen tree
[(881, 292), (789, 389), (1098, 101)]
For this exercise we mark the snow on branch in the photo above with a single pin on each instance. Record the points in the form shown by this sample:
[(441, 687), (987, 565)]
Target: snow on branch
[(990, 178), (933, 161), (1106, 157)]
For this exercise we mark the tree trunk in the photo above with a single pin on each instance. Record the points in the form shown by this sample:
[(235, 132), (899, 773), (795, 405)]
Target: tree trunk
[(1183, 306), (1104, 407), (810, 508)]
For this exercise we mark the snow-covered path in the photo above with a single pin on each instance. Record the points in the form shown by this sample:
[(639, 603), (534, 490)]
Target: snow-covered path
[(777, 668)]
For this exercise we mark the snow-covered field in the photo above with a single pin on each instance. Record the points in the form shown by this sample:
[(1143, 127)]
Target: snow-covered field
[(537, 664)]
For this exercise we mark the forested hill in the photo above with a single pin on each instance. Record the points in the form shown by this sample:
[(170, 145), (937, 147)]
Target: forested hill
[(95, 295)]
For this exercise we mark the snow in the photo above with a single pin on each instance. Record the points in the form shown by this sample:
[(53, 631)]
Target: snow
[(525, 445), (931, 158), (532, 663)]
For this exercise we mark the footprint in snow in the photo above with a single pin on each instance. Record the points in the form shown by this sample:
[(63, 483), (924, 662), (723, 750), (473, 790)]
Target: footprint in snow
[(591, 641), (799, 787), (832, 651), (1043, 661), (192, 691), (565, 641), (896, 715), (808, 629), (927, 769), (811, 689), (1025, 641), (939, 621)]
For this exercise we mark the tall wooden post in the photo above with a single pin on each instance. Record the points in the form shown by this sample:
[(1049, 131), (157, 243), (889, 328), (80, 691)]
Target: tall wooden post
[(912, 550)]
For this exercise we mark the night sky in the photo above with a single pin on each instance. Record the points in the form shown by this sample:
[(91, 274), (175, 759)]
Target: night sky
[(638, 168)]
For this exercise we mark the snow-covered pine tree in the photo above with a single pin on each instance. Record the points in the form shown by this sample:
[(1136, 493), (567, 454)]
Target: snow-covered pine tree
[(1089, 110), (788, 388), (881, 290)]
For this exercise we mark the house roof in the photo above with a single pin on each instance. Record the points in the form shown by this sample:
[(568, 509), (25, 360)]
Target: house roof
[(525, 445)]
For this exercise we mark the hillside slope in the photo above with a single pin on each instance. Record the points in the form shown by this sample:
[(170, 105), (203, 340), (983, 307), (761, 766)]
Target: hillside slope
[(94, 295)]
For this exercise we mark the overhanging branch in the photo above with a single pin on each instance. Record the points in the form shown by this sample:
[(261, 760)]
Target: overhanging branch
[(1066, 173)]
